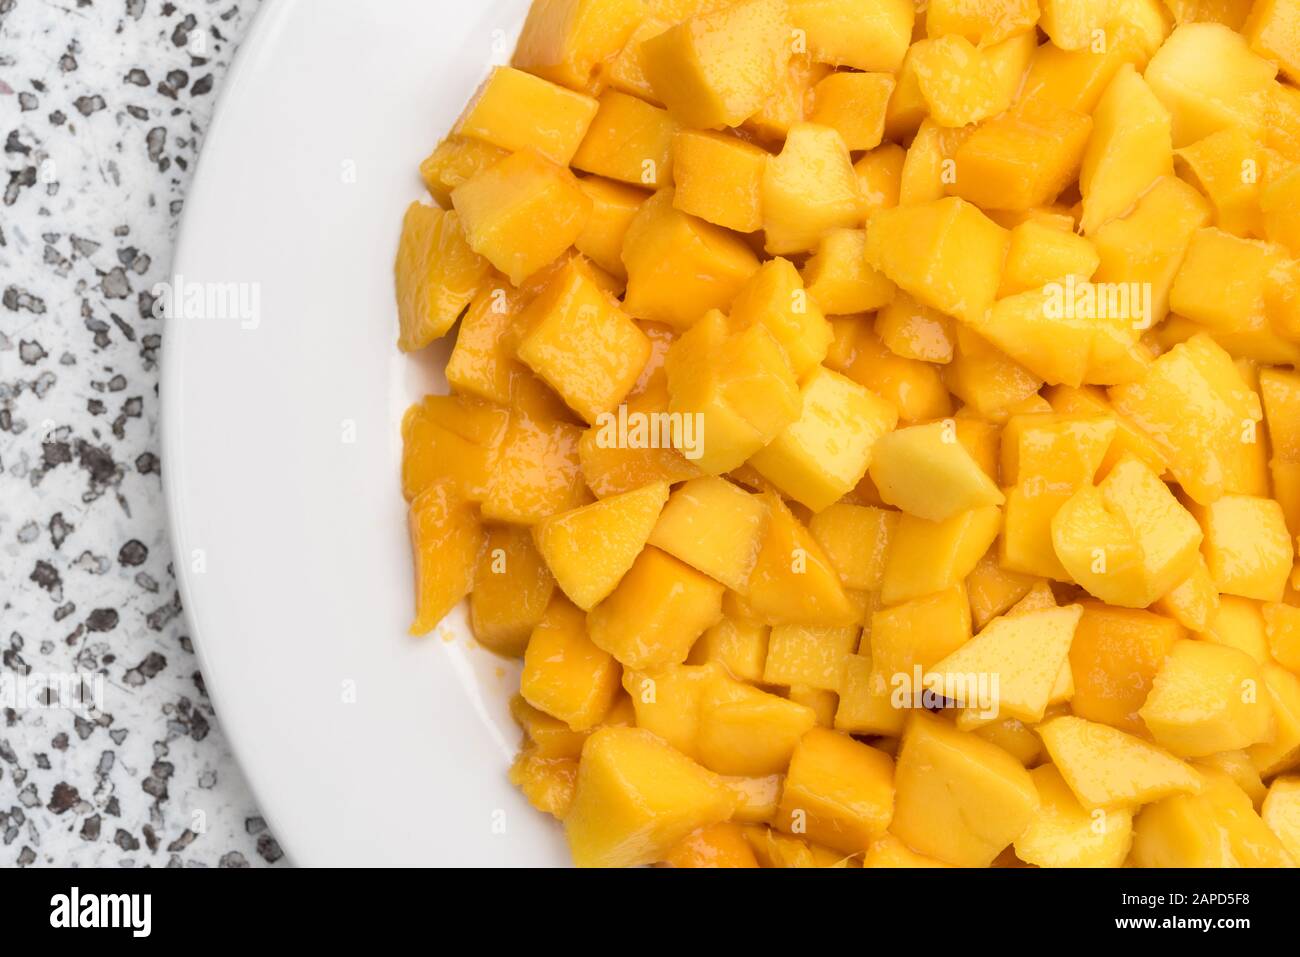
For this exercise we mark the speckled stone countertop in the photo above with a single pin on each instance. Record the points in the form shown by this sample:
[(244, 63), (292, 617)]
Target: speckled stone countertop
[(103, 107)]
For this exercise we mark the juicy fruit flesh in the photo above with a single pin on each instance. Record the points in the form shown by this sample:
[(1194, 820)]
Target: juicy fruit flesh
[(878, 437)]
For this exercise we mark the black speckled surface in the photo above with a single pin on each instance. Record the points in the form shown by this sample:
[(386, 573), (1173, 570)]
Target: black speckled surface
[(103, 107)]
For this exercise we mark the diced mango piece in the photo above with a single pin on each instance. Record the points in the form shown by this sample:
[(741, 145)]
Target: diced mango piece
[(1040, 254), (1108, 769), (775, 298), (715, 527), (809, 189), (822, 455), (1209, 79), (512, 589), (719, 178), (590, 549), (566, 40), (667, 702), (854, 105), (956, 83), (437, 275), (657, 611), (522, 213), (613, 207), (1205, 699), (445, 539), (1281, 812), (680, 267), (914, 388), (629, 141), (716, 845), (537, 472), (808, 657), (1282, 753), (636, 798), (739, 646), (565, 674), (1022, 653), (957, 797), (793, 581), (1194, 601), (993, 589), (1055, 448), (946, 253), (514, 110), (1063, 833), (739, 383), (1219, 166), (452, 439), (856, 537), (748, 732), (455, 160), (1282, 624), (583, 344), (927, 472), (717, 69), (1196, 407), (838, 792), (915, 331), (863, 34), (926, 557), (889, 851), (1130, 148), (1114, 658), (1021, 159), (1247, 547), (839, 279)]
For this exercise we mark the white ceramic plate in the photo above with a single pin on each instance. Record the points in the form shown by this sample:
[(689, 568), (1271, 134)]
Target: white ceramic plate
[(281, 445)]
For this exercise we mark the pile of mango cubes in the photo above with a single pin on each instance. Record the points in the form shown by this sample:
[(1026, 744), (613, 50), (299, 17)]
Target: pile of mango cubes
[(877, 431)]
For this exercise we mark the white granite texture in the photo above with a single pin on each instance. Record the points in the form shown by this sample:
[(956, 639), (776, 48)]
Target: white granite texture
[(103, 106)]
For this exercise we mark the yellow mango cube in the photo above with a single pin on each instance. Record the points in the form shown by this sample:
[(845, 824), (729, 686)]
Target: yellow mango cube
[(838, 792), (680, 267), (455, 160), (794, 581), (483, 362), (993, 589), (839, 279), (636, 798), (566, 40), (714, 846), (739, 646), (514, 110), (613, 207), (717, 69), (1040, 254), (657, 611), (629, 141), (822, 455), (916, 389), (739, 384), (522, 213), (1021, 159), (445, 539), (1215, 165), (1194, 601), (856, 537), (808, 657), (981, 23), (927, 557), (809, 189), (947, 254), (1281, 812), (666, 701), (986, 378), (1282, 753), (1063, 833), (590, 549), (715, 527), (1222, 281), (565, 675), (1108, 769), (512, 589), (1208, 79), (955, 81), (1273, 30), (927, 472), (862, 34), (915, 331), (1076, 79), (719, 179), (1282, 626), (1197, 409), (582, 344), (1025, 652), (853, 104), (1247, 547), (775, 297), (451, 439), (1130, 148), (889, 852), (1205, 699), (437, 275), (958, 798), (1055, 448), (1113, 641), (748, 732)]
